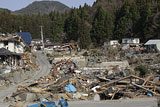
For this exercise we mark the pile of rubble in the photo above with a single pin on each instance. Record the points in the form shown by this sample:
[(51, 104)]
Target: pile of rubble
[(67, 80), (4, 82), (27, 60), (158, 101), (11, 75)]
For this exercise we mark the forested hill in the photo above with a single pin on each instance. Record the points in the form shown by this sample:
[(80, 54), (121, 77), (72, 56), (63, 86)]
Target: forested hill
[(91, 25), (132, 18), (43, 7), (4, 10)]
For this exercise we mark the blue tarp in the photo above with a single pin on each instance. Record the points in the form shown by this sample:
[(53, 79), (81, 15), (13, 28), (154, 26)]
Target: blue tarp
[(26, 37), (47, 104), (70, 88), (128, 54)]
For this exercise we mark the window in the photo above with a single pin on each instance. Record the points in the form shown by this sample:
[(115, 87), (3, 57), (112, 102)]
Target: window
[(5, 43), (125, 41)]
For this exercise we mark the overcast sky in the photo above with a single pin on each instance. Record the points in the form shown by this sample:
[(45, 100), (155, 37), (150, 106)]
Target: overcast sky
[(18, 4)]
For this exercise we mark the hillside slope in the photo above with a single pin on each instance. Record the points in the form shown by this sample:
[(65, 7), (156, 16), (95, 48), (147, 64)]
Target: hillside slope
[(43, 7), (4, 10)]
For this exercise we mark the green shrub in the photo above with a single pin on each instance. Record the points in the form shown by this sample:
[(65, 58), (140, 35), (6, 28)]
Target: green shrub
[(142, 70), (85, 53), (27, 69), (28, 49)]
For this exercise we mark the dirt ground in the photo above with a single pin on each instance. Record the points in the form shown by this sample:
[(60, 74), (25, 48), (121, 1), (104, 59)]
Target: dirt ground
[(138, 102)]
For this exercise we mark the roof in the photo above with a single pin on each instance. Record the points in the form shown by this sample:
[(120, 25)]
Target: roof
[(3, 35), (8, 39), (26, 36), (130, 38), (6, 52), (52, 44), (37, 39), (152, 42)]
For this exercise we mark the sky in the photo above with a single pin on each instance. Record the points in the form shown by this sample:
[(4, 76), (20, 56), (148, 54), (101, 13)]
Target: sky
[(18, 4)]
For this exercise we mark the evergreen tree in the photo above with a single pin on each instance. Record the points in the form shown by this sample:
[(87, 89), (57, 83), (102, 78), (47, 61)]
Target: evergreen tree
[(71, 26), (98, 27), (109, 26), (124, 23), (84, 34)]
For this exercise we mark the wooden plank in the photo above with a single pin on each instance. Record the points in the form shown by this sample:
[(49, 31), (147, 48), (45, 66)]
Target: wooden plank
[(116, 81), (115, 94), (148, 78), (145, 89), (63, 83)]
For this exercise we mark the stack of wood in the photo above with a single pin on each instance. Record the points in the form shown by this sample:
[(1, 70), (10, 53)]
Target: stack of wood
[(130, 86), (27, 60)]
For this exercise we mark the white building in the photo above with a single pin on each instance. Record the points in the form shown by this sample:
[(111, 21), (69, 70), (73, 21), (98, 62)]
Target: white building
[(130, 41), (11, 49), (127, 42), (113, 43), (153, 45), (12, 45), (36, 41)]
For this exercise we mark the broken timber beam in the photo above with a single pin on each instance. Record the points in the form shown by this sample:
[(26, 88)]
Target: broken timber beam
[(145, 89)]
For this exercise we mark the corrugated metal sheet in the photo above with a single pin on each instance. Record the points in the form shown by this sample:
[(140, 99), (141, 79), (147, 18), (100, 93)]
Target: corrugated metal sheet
[(26, 36)]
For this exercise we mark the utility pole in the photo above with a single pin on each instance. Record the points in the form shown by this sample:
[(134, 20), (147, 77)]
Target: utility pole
[(42, 36), (20, 29)]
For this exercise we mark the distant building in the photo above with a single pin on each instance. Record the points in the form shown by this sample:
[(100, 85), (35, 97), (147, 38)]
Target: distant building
[(26, 37), (130, 42), (153, 45), (36, 42), (47, 40), (113, 43)]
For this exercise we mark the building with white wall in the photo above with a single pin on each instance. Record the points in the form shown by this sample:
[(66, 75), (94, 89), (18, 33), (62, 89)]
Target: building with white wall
[(113, 43), (127, 42), (12, 45), (130, 41), (11, 50), (153, 45)]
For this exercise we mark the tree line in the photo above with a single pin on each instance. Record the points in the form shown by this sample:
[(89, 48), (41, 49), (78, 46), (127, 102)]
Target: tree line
[(139, 18)]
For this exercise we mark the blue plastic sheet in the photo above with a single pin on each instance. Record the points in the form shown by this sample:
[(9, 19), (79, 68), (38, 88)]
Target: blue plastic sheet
[(47, 104), (128, 54), (70, 88), (149, 94)]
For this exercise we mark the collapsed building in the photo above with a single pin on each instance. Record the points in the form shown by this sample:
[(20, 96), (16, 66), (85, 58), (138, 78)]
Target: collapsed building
[(153, 45), (130, 42), (12, 49), (89, 77), (74, 79), (9, 58)]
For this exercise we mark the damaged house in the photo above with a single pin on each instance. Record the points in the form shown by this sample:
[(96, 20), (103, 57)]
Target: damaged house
[(113, 43), (26, 37), (153, 45), (130, 42), (11, 49), (9, 58)]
